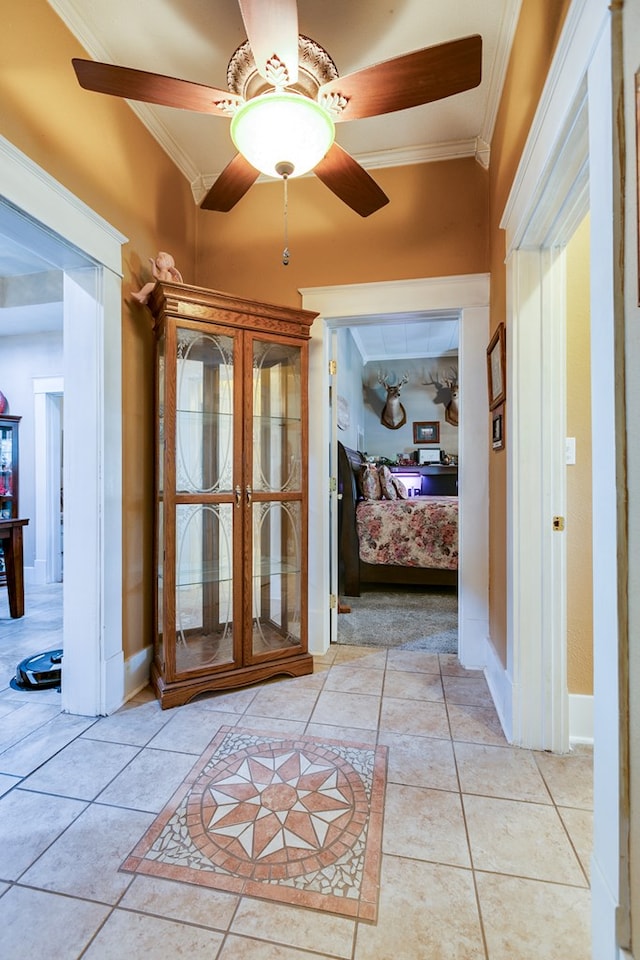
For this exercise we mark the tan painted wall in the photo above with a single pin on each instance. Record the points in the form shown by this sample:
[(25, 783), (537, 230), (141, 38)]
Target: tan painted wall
[(434, 225), (535, 40), (97, 148), (579, 494)]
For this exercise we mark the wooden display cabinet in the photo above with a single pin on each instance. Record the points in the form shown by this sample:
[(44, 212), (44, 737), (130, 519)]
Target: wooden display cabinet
[(231, 492), (9, 462)]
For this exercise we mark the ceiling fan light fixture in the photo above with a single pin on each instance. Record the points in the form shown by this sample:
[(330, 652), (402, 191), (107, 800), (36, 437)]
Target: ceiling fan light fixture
[(282, 128)]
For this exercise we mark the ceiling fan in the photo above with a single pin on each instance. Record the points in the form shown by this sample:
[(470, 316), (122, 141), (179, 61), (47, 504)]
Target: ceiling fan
[(276, 71)]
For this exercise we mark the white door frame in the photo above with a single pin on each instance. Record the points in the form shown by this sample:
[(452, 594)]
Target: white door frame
[(47, 394), (468, 295), (93, 676), (572, 140)]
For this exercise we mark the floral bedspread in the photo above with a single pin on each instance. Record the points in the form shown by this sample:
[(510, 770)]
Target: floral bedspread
[(420, 532)]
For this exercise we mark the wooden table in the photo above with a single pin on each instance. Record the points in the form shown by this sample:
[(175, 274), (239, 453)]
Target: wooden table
[(11, 537)]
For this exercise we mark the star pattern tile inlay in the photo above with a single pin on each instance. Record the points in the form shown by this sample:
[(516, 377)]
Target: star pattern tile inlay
[(270, 815)]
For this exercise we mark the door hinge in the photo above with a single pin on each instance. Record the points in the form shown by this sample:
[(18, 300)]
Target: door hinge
[(558, 523), (333, 484), (333, 367), (333, 601)]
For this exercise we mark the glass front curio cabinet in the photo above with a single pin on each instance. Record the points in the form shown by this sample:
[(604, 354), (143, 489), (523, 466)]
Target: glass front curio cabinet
[(231, 492), (8, 476)]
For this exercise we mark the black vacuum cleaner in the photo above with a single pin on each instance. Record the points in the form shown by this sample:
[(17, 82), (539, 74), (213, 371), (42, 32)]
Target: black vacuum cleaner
[(40, 672)]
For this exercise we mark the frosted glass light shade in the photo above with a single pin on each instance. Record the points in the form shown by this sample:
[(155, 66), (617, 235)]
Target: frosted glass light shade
[(282, 128)]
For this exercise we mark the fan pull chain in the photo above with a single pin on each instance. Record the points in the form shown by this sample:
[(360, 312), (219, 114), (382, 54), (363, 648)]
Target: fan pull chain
[(285, 253)]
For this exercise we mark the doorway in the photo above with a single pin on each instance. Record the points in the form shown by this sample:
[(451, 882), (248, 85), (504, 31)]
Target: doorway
[(85, 253), (468, 296)]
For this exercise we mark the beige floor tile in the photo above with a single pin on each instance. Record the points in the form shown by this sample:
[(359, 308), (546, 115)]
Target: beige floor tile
[(413, 686), (6, 783), (347, 709), (321, 661), (135, 723), (39, 924), (149, 780), (234, 701), (31, 735), (467, 690), (244, 948), (420, 718), (427, 911), (579, 824), (295, 927), (180, 901), (271, 725), (522, 839), (544, 921), (425, 825), (569, 778), (450, 666), (82, 769), (283, 701), (477, 724), (136, 935), (372, 658), (413, 661), (420, 761), (190, 729), (499, 772), (352, 678), (29, 822), (85, 860), (333, 732)]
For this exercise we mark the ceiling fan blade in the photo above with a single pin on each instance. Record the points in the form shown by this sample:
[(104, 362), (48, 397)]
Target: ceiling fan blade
[(153, 88), (272, 29), (350, 182), (231, 185), (409, 80)]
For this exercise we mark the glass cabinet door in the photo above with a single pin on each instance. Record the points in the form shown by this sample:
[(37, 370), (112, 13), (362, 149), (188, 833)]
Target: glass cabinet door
[(204, 501), (275, 497)]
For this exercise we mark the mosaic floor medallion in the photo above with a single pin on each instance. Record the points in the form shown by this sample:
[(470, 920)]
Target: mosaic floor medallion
[(293, 819)]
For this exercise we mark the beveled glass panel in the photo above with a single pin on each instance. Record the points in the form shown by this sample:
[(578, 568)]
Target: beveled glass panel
[(204, 585), (204, 412), (160, 400), (277, 417), (276, 576), (160, 584)]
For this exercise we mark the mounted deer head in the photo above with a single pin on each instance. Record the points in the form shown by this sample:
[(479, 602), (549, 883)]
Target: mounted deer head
[(447, 393), (393, 413)]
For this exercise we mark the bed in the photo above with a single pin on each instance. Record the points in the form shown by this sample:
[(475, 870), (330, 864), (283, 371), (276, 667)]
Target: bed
[(399, 541)]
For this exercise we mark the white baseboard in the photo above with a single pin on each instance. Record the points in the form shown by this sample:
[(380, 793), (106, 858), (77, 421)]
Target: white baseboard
[(501, 688), (137, 670), (580, 718)]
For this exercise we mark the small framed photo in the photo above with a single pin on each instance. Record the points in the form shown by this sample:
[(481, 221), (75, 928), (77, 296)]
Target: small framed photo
[(496, 368), (426, 431), (497, 428)]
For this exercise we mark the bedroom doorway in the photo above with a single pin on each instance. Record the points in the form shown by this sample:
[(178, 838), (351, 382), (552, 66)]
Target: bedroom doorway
[(416, 352), (468, 296)]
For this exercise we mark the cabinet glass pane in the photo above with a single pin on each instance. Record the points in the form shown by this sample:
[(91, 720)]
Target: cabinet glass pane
[(204, 415), (160, 401), (276, 576), (204, 586), (6, 472), (277, 411)]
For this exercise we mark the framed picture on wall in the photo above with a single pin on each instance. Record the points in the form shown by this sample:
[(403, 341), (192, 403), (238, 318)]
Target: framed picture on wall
[(426, 431), (496, 368), (497, 428)]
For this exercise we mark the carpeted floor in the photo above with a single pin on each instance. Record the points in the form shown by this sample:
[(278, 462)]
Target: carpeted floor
[(292, 819), (411, 618)]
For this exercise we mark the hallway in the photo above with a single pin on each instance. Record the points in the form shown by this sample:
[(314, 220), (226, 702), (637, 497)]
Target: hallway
[(485, 850)]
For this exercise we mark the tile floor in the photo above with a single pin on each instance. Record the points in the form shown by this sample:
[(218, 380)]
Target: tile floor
[(485, 847)]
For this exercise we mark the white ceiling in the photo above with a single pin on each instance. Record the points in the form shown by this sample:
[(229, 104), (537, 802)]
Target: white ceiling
[(194, 39)]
